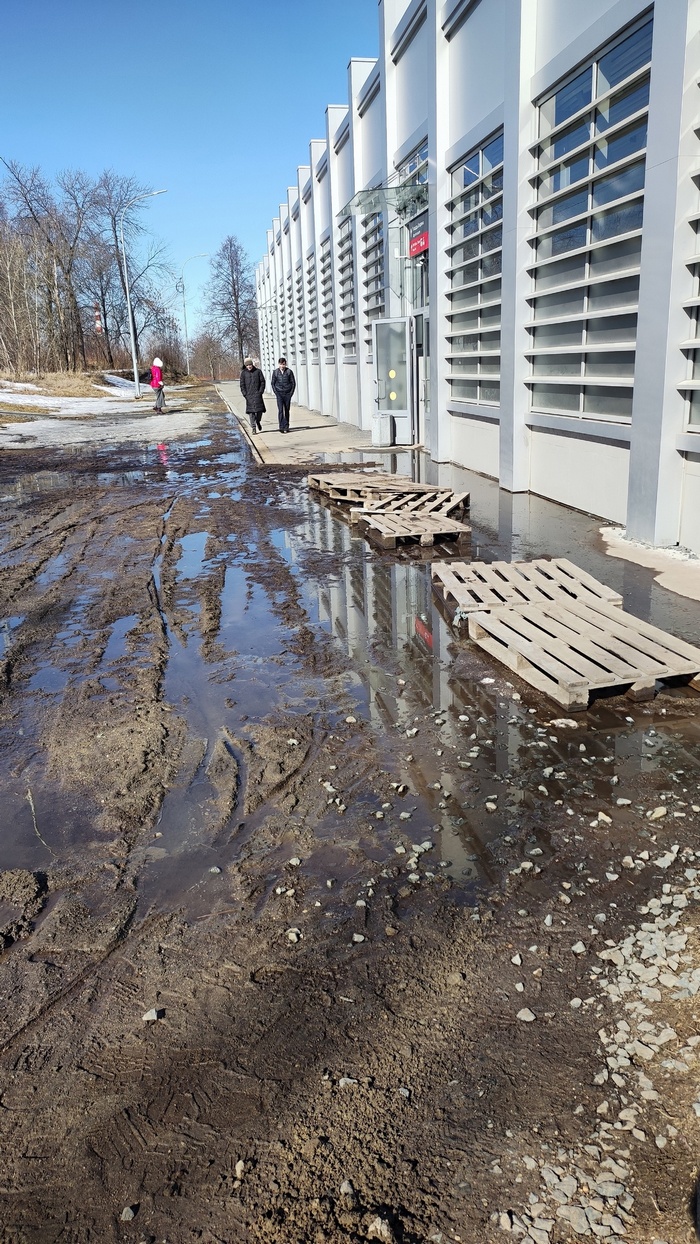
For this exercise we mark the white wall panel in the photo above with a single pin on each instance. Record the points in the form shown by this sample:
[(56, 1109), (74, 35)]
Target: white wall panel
[(559, 22), (475, 445), (585, 474), (373, 140), (690, 509), (345, 181), (476, 62), (412, 87)]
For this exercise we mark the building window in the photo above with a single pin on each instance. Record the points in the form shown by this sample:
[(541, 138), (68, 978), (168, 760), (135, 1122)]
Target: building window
[(327, 314), (474, 272), (412, 208), (290, 348), (346, 287), (313, 306), (373, 273), (300, 314), (692, 356), (586, 244), (691, 343)]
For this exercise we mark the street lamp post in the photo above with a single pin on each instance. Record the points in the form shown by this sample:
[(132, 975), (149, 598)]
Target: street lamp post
[(137, 198), (181, 288)]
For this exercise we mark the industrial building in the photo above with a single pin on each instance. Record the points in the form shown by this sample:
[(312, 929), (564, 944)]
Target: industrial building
[(493, 252)]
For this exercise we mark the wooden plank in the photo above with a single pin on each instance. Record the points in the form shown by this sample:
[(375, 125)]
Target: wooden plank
[(539, 631), (520, 582), (636, 661), (528, 659), (616, 657), (560, 577), (452, 585), (573, 700), (537, 587), (500, 577), (564, 566), (499, 625), (649, 639)]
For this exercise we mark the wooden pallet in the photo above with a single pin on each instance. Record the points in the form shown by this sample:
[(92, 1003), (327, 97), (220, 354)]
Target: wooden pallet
[(440, 501), (569, 649), (353, 487), (356, 485), (392, 529), (467, 587)]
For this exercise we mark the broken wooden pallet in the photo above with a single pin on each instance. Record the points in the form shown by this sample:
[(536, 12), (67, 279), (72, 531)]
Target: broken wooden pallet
[(391, 529), (441, 501), (358, 487), (467, 587), (570, 649)]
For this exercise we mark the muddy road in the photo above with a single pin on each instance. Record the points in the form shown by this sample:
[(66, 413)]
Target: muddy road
[(315, 925)]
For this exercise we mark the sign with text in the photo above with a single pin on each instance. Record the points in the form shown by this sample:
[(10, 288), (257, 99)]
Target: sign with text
[(418, 240)]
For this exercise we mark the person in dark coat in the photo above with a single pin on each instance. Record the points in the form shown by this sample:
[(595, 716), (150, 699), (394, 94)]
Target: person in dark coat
[(252, 388), (283, 386)]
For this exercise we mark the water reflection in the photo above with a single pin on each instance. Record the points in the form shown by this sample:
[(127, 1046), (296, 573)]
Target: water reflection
[(492, 748)]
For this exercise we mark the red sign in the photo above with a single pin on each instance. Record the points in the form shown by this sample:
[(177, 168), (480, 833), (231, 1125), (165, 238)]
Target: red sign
[(423, 633), (418, 236)]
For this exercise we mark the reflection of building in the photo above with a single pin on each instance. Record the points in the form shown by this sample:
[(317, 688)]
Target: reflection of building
[(384, 615), (514, 185)]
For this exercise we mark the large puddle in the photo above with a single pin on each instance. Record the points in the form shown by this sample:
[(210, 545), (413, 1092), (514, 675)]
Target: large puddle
[(463, 734)]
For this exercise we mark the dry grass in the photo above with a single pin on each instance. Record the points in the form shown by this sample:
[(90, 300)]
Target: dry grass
[(59, 383), (20, 414), (22, 408)]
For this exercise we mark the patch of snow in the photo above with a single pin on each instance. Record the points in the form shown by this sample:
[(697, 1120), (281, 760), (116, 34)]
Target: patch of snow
[(119, 382), (678, 569)]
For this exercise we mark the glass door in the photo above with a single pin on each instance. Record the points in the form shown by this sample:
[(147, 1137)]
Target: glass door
[(421, 342), (394, 375)]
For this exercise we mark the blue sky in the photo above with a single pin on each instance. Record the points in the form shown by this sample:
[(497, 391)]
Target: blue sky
[(215, 101)]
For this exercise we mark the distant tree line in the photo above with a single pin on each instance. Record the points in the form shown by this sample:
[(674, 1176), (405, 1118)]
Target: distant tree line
[(63, 303), (61, 273)]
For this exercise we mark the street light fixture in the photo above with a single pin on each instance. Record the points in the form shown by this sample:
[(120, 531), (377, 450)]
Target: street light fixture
[(136, 199), (181, 289)]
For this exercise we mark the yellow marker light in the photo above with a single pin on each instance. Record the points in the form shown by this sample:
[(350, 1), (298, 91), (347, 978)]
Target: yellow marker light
[(392, 397), (392, 374)]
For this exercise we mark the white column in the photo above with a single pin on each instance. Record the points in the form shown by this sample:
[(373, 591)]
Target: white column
[(670, 196), (519, 134)]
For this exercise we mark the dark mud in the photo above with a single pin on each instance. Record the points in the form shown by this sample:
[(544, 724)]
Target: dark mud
[(253, 782)]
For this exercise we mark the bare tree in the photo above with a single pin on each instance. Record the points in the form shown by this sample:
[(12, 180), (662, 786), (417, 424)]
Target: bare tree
[(61, 222), (230, 298), (61, 260), (211, 356)]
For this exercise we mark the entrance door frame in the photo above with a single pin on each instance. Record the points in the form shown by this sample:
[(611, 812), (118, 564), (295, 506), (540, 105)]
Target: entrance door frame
[(404, 420)]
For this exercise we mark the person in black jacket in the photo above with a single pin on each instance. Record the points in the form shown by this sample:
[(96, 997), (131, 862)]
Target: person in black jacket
[(283, 386), (252, 388)]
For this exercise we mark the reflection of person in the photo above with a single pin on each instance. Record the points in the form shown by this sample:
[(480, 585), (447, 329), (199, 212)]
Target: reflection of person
[(252, 388), (283, 386), (157, 384)]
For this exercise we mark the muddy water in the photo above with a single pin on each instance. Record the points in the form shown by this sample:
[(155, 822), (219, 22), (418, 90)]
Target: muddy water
[(477, 748)]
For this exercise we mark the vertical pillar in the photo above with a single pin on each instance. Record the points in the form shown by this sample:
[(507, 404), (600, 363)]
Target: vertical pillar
[(519, 134), (656, 467)]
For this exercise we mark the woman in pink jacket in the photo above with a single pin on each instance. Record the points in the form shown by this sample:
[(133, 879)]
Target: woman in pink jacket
[(157, 384)]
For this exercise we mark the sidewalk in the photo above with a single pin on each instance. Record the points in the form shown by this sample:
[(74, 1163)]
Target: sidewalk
[(310, 437)]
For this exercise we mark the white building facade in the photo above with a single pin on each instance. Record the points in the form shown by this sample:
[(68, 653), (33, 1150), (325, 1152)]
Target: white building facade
[(494, 252)]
